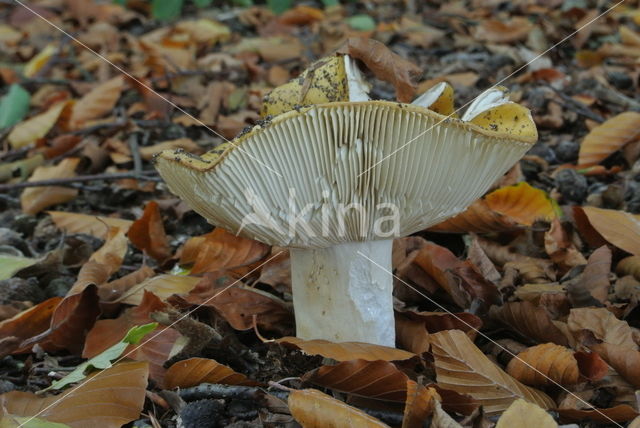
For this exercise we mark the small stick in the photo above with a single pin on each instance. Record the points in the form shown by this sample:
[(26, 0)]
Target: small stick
[(148, 176)]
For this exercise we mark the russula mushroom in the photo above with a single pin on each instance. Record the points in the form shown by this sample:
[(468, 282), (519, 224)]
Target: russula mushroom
[(354, 175)]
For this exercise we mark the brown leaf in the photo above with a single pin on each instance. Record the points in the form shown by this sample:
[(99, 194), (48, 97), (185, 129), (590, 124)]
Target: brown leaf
[(560, 248), (461, 366), (155, 348), (629, 266), (91, 273), (346, 351), (163, 286), (112, 252), (620, 228), (186, 144), (620, 413), (411, 334), (604, 325), (238, 304), (454, 402), (495, 31), (442, 419), (221, 250), (591, 365), (379, 379), (522, 203), (97, 103), (108, 399), (147, 233), (531, 321), (523, 414), (608, 137), (477, 218), (542, 364), (313, 409), (31, 322), (35, 199), (624, 360), (596, 274), (194, 371), (419, 404), (94, 225), (72, 318), (113, 291), (386, 65), (438, 321)]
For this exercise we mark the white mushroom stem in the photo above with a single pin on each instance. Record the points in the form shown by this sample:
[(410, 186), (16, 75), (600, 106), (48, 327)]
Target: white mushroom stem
[(344, 293)]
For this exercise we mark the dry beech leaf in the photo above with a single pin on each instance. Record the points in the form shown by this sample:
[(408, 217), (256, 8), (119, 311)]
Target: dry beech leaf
[(114, 290), (34, 128), (477, 218), (454, 402), (419, 405), (620, 413), (495, 31), (71, 319), (238, 304), (523, 414), (438, 321), (31, 322), (221, 250), (620, 228), (411, 335), (610, 136), (604, 325), (194, 371), (112, 252), (542, 364), (90, 273), (155, 348), (560, 248), (35, 199), (109, 399), (93, 225), (147, 233), (313, 409), (346, 351), (441, 419), (386, 65), (629, 266), (461, 366), (531, 321), (591, 365), (623, 360), (186, 144), (595, 277), (379, 379), (162, 286), (522, 203), (97, 103)]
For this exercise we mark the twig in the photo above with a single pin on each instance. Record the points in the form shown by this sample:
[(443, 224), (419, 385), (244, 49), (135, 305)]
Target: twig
[(135, 153), (615, 97), (147, 176), (576, 106)]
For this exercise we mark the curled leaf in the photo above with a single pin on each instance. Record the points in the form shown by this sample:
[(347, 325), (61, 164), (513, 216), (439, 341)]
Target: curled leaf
[(545, 364), (194, 371), (620, 228), (608, 137)]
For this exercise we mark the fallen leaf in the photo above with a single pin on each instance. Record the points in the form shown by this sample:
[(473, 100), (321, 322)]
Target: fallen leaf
[(36, 63), (386, 65), (186, 144), (111, 254), (462, 367), (419, 405), (157, 346), (477, 218), (147, 233), (36, 127), (194, 371), (546, 364), (625, 361), (495, 31), (523, 414), (591, 365), (620, 228), (531, 321), (109, 399), (521, 202), (604, 325), (221, 250), (115, 291), (411, 335), (346, 351), (313, 409), (442, 419), (93, 225), (35, 199), (596, 274), (163, 286), (620, 413), (378, 379), (608, 137), (97, 103), (10, 265), (31, 322)]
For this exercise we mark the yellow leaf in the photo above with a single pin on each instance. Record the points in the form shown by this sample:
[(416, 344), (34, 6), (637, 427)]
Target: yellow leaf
[(521, 202), (313, 409), (608, 137), (542, 364), (620, 228), (522, 414), (38, 61), (34, 128), (35, 199), (94, 225)]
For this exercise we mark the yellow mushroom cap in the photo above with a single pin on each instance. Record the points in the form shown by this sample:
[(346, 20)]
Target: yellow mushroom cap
[(315, 161)]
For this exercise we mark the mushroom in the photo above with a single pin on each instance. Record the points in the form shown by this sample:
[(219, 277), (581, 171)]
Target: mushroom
[(350, 175)]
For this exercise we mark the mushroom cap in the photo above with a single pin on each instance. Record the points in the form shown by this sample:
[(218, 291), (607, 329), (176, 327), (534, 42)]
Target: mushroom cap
[(346, 171)]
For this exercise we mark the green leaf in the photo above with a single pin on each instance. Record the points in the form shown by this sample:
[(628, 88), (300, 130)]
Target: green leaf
[(14, 106), (361, 22), (203, 3), (9, 265), (329, 3), (243, 3), (166, 10), (120, 2), (104, 359), (279, 6), (10, 421)]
